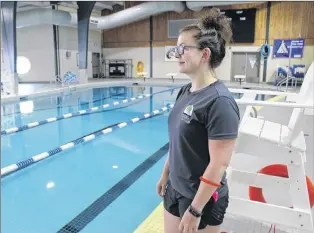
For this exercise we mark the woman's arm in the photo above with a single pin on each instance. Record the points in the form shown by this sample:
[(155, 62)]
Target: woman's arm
[(165, 171), (222, 123), (161, 185), (220, 155)]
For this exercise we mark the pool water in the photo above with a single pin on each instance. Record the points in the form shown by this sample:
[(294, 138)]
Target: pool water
[(105, 185)]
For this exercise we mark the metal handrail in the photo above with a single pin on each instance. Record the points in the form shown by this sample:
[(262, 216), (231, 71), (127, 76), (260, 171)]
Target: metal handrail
[(279, 85), (57, 79)]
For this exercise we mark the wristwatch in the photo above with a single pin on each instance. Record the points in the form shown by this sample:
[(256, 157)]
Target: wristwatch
[(194, 212)]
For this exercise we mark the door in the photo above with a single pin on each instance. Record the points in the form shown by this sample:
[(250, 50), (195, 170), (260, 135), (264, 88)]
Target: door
[(96, 64), (245, 63), (238, 64), (252, 68)]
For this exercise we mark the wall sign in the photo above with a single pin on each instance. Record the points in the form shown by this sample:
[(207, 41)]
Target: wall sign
[(282, 48)]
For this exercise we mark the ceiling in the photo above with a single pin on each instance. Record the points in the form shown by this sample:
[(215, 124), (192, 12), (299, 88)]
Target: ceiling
[(99, 6)]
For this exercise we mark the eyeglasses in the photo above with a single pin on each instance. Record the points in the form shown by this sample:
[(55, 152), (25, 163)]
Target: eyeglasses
[(178, 50)]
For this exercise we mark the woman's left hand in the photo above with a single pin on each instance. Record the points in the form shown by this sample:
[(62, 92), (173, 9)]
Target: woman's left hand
[(189, 223)]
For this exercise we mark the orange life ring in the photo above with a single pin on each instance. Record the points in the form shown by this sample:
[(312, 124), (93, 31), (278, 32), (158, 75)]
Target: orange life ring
[(280, 170)]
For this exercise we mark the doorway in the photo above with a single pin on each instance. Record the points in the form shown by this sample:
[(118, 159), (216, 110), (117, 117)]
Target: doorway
[(96, 65), (246, 63)]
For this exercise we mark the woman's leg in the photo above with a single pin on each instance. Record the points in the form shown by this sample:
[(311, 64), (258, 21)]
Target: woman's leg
[(171, 223), (171, 210), (210, 229), (214, 216)]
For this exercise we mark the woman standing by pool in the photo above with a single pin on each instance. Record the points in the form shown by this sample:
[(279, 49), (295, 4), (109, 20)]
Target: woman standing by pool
[(203, 127)]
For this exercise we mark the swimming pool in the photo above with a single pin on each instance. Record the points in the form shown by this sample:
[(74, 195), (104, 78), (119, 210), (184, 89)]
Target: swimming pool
[(104, 185)]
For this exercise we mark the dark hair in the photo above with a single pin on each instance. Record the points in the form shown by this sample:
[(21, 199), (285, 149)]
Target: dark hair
[(213, 32)]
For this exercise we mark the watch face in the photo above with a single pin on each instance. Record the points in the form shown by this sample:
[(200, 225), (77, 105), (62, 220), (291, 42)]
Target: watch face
[(194, 212)]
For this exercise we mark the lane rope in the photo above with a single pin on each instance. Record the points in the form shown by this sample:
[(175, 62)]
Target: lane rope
[(80, 113), (108, 129)]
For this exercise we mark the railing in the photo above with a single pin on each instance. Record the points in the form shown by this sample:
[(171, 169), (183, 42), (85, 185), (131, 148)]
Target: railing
[(286, 81), (56, 80), (66, 80)]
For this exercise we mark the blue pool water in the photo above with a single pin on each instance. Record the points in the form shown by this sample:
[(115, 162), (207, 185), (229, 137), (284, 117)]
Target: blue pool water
[(119, 170)]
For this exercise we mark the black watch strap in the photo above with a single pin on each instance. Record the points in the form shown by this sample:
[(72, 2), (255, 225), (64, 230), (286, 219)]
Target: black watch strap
[(194, 212)]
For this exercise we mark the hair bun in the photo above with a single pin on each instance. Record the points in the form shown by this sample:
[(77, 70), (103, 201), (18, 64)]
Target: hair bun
[(211, 20), (217, 21)]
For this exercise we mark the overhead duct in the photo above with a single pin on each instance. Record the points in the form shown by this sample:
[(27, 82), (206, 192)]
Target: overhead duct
[(42, 16), (197, 6), (47, 16), (137, 13)]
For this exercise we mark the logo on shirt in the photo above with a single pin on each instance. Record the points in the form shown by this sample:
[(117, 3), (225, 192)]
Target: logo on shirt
[(187, 113), (188, 110)]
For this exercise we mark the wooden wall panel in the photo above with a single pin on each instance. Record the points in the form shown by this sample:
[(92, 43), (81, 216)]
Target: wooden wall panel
[(307, 23), (135, 34), (287, 20), (160, 22), (292, 20), (132, 33), (260, 24)]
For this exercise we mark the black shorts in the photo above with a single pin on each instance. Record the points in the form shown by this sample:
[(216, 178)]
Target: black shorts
[(213, 213)]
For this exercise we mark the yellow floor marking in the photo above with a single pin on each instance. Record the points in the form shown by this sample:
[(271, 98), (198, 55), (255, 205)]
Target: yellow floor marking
[(154, 223)]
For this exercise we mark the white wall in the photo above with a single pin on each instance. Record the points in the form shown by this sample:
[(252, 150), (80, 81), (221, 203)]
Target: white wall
[(68, 42), (36, 43), (162, 67)]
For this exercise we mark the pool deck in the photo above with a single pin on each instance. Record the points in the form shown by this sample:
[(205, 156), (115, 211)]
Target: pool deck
[(28, 88)]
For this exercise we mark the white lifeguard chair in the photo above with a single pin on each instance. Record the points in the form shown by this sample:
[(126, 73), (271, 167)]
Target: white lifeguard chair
[(268, 143)]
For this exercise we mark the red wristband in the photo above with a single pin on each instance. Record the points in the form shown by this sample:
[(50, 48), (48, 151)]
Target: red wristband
[(209, 182)]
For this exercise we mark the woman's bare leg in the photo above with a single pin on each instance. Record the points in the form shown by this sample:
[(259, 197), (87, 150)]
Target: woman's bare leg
[(171, 223), (210, 229)]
